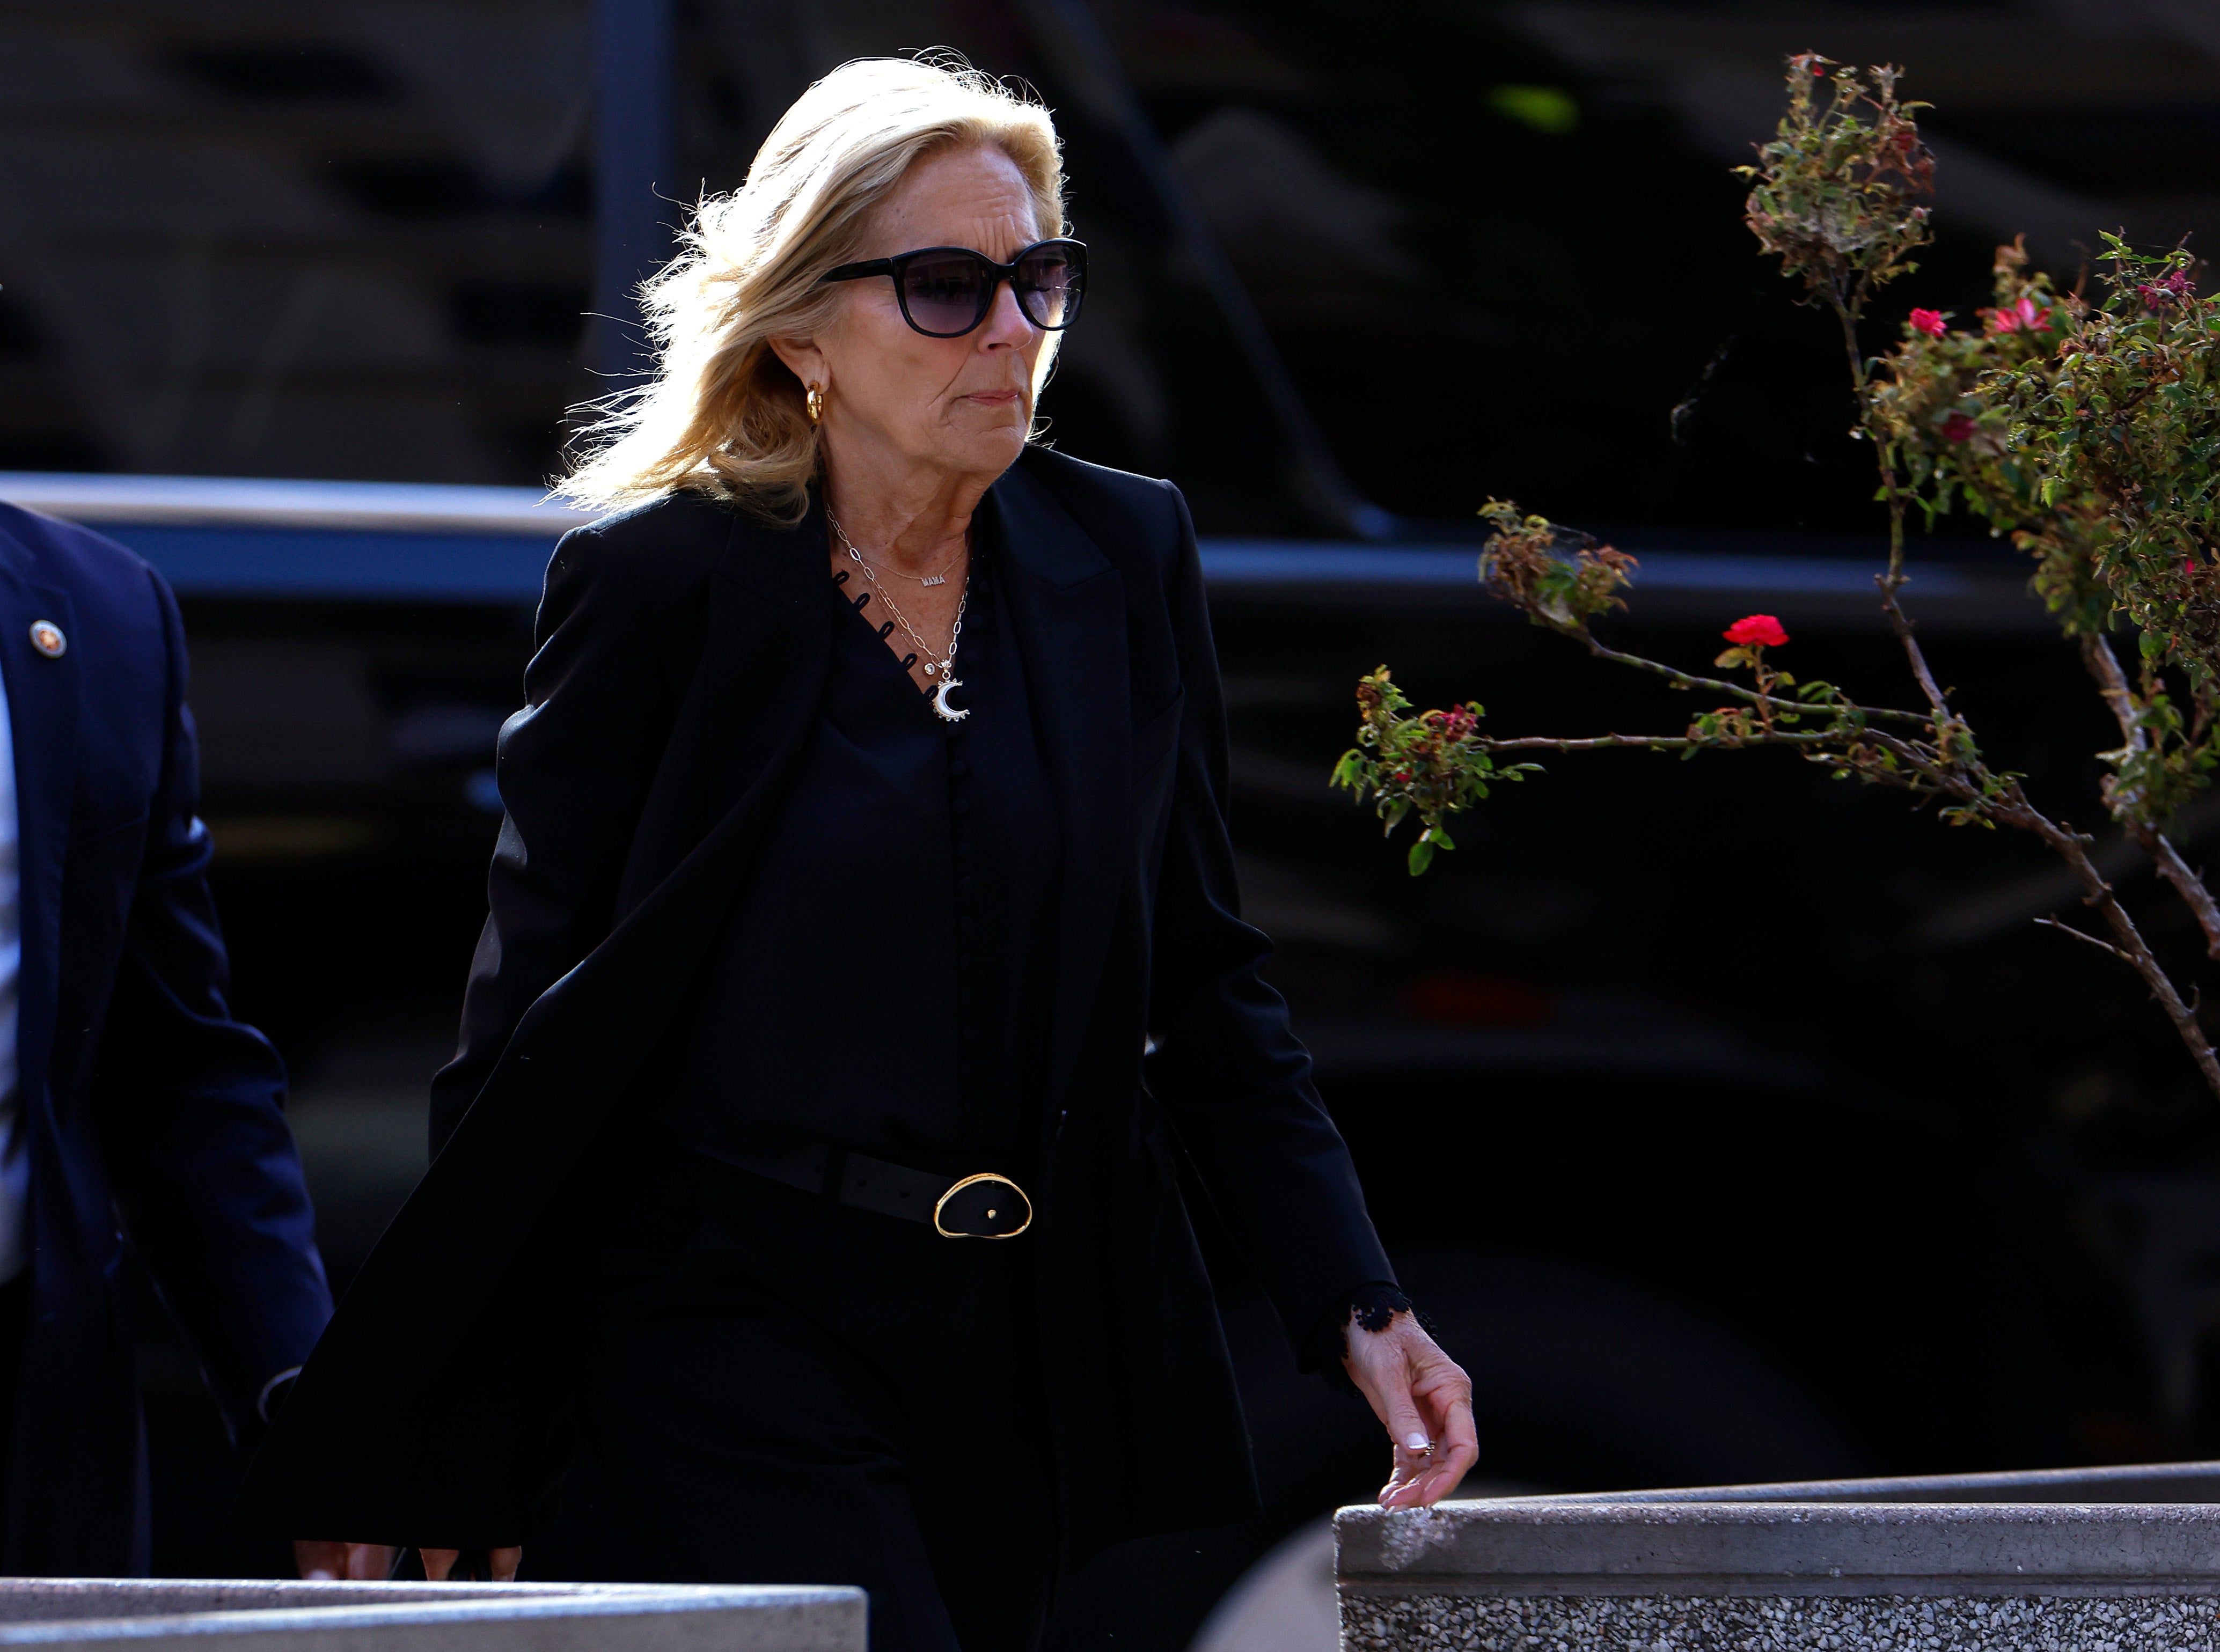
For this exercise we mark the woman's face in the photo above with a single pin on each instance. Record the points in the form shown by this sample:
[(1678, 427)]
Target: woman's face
[(958, 406)]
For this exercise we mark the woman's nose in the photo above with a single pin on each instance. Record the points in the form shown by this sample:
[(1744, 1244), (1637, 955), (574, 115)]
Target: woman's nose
[(1005, 323)]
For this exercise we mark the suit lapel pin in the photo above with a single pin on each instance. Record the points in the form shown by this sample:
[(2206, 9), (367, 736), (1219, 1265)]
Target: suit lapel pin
[(46, 636)]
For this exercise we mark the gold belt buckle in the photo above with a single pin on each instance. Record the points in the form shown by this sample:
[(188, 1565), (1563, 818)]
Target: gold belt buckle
[(1000, 1210)]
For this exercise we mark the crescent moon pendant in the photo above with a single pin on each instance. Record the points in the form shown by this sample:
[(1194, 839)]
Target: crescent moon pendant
[(948, 714)]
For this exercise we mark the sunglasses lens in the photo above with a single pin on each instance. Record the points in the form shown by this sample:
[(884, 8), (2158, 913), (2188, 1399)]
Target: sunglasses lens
[(1050, 281), (942, 294)]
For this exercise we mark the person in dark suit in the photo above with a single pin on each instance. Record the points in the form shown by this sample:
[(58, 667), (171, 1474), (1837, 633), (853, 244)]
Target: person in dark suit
[(135, 1114), (864, 952)]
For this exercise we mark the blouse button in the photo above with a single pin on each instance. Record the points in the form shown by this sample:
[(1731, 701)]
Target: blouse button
[(958, 769), (960, 806)]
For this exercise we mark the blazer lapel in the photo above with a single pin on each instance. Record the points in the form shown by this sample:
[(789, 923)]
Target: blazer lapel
[(757, 683), (769, 645), (1068, 604), (42, 715)]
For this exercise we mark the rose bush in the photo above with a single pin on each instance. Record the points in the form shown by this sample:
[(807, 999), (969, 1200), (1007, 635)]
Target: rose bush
[(2087, 430)]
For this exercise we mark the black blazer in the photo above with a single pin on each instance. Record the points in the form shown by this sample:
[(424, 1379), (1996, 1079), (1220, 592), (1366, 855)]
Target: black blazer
[(681, 649), (151, 1112)]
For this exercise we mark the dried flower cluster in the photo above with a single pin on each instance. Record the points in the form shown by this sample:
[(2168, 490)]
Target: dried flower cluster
[(1433, 764), (1837, 192), (1563, 578)]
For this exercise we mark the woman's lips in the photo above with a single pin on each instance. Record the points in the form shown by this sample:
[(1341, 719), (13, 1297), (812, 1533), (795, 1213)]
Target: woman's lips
[(992, 398)]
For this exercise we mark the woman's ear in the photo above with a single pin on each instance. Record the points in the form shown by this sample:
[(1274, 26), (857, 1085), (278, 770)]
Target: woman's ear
[(804, 360)]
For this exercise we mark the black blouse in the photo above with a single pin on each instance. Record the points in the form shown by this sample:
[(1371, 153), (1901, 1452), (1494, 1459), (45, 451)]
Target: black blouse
[(882, 984)]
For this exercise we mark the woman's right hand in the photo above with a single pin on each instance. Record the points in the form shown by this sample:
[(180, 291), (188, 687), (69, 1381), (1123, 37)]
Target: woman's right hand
[(439, 1563), (1424, 1398)]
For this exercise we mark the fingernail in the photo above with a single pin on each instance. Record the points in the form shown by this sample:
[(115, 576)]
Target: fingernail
[(321, 1576), (1417, 1442)]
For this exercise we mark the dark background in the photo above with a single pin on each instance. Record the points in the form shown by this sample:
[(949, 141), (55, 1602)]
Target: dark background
[(1734, 1123)]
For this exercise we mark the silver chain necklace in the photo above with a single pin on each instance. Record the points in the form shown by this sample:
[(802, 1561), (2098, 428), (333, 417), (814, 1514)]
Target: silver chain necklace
[(938, 671), (940, 578)]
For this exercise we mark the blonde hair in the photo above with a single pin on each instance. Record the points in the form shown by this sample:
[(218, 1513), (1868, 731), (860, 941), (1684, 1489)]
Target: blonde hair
[(722, 412)]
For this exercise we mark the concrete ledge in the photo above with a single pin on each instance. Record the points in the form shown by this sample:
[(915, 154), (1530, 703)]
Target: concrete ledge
[(1780, 1550), (2085, 1559), (280, 1617)]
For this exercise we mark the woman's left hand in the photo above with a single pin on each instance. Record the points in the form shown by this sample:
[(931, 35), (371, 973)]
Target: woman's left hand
[(1424, 1398)]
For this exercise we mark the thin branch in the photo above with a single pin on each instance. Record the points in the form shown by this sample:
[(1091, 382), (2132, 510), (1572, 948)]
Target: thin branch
[(2073, 847), (2185, 882), (1902, 625), (1893, 490), (1718, 685), (2112, 684), (2084, 935), (1932, 768), (1651, 742)]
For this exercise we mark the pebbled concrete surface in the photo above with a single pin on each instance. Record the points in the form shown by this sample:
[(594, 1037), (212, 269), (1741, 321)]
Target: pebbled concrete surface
[(1734, 1624)]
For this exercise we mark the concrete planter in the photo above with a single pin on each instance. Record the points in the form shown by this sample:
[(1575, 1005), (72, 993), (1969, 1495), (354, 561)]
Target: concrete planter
[(2093, 1561), (215, 1616)]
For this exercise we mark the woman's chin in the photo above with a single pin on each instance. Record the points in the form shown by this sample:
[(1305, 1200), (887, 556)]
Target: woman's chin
[(989, 445)]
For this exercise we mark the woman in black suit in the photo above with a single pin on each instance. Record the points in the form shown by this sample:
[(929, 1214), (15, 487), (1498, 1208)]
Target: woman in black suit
[(863, 932)]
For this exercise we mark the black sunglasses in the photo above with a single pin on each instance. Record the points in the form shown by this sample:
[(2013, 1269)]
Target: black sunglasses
[(946, 291)]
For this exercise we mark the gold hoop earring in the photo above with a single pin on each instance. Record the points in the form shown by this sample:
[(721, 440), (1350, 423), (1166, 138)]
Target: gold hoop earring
[(816, 405)]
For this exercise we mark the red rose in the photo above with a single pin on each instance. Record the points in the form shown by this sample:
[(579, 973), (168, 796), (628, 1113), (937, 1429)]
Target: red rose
[(1931, 322), (2024, 317), (1958, 428), (1755, 631)]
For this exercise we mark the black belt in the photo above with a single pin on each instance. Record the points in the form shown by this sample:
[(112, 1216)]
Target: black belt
[(983, 1205)]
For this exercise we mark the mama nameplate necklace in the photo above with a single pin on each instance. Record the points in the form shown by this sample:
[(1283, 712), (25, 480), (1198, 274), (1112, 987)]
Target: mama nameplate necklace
[(940, 578), (937, 670)]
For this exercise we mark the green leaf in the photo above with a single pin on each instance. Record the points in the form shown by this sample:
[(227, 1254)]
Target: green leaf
[(1422, 856)]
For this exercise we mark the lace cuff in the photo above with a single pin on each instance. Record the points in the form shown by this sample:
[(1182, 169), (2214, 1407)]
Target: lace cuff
[(1372, 1306)]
